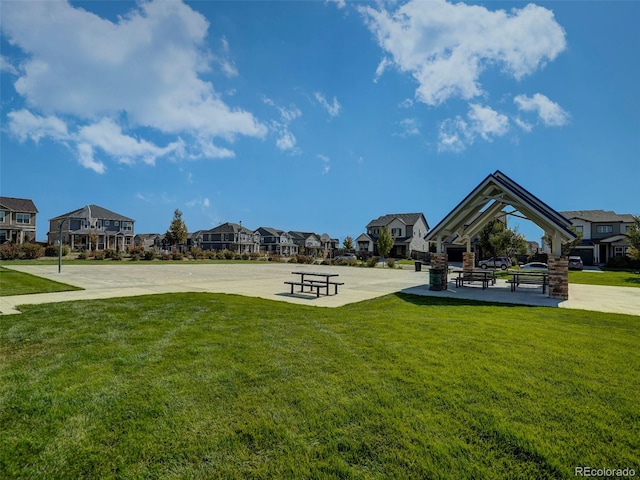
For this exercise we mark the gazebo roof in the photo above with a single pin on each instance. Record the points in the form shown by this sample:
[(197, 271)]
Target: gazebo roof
[(487, 202)]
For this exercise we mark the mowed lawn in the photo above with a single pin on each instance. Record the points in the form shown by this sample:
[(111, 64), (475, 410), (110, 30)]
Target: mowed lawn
[(13, 282), (223, 386)]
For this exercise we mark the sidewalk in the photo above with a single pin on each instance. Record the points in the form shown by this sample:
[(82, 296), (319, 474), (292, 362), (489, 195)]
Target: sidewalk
[(266, 280)]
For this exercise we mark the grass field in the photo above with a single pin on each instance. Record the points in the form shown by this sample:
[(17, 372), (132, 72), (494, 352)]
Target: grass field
[(222, 386), (18, 283)]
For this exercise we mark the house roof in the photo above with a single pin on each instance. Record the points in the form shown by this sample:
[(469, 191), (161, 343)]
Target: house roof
[(487, 201), (270, 231), (406, 218), (18, 204), (230, 227), (598, 216), (94, 211)]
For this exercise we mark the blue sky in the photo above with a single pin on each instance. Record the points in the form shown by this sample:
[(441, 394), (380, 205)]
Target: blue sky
[(313, 115)]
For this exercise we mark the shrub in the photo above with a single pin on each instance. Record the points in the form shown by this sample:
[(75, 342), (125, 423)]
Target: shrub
[(135, 250), (244, 256), (227, 255), (149, 255), (622, 263), (9, 251), (82, 255), (99, 254), (177, 256), (31, 251), (54, 251), (166, 256), (275, 258), (198, 253), (391, 262), (372, 262)]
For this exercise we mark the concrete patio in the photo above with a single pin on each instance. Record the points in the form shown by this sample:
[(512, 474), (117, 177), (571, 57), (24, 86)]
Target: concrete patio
[(266, 280)]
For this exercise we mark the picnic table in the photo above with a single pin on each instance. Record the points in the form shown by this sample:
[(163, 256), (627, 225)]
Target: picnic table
[(484, 276), (527, 277), (311, 280)]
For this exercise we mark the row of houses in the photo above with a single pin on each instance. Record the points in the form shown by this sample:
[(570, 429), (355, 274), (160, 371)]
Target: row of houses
[(95, 227)]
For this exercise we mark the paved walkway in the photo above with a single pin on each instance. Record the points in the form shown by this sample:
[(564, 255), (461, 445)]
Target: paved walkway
[(266, 280)]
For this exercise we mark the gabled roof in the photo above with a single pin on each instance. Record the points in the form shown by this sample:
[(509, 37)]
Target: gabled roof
[(406, 218), (24, 205), (270, 231), (230, 227), (487, 201), (94, 211), (598, 216)]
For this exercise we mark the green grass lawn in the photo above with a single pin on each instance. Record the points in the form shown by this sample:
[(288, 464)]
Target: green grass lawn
[(223, 386), (607, 278), (18, 283)]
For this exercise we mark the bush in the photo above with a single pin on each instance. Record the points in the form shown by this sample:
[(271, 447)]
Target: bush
[(31, 251), (197, 253), (135, 250), (54, 251), (622, 263), (9, 251), (227, 255), (149, 255), (372, 262), (391, 262), (99, 254), (82, 255)]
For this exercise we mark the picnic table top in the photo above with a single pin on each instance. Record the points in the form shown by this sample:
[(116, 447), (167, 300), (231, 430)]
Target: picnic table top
[(533, 273), (317, 274)]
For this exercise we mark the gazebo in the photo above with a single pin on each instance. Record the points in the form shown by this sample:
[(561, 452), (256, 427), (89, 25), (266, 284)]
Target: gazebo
[(487, 202)]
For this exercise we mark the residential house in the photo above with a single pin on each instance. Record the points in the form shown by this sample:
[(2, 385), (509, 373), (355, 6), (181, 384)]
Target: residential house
[(230, 236), (93, 228), (308, 243), (17, 220), (407, 229), (276, 241), (603, 234), (149, 241)]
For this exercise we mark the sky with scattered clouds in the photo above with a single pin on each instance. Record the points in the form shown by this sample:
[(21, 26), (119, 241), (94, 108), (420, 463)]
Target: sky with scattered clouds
[(316, 115)]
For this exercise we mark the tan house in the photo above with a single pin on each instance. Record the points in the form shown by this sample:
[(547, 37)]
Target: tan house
[(92, 228), (17, 220)]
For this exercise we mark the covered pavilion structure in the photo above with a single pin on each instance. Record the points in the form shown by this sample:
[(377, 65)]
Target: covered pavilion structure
[(489, 201)]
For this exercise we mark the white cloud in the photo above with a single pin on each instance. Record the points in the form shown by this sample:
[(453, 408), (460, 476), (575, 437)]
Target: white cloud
[(550, 113), (147, 65), (332, 108), (25, 125), (410, 127), (287, 141), (338, 3), (6, 66), (86, 159), (457, 133), (326, 163), (447, 46)]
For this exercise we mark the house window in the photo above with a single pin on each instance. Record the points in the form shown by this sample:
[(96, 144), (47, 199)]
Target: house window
[(604, 229), (23, 218), (116, 223), (620, 251), (127, 226), (396, 232), (107, 223), (2, 214), (3, 236), (579, 229)]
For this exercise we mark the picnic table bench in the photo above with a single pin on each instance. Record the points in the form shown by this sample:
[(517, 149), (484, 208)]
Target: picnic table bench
[(485, 277), (315, 284), (528, 278)]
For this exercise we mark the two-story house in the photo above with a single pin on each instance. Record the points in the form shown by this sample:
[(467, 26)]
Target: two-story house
[(92, 228), (230, 236), (149, 241), (17, 220), (603, 234), (407, 229), (276, 241), (308, 243)]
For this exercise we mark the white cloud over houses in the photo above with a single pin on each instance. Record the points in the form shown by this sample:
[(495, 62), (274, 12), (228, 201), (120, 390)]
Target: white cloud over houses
[(108, 81), (447, 46)]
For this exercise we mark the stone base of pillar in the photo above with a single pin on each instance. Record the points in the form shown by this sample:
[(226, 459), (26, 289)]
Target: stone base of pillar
[(558, 277), (468, 261), (439, 261)]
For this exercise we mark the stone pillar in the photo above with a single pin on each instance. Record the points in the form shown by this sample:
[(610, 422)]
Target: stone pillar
[(468, 261), (440, 261), (558, 277)]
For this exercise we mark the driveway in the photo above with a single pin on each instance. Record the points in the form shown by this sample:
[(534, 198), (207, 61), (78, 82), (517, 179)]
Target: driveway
[(266, 280)]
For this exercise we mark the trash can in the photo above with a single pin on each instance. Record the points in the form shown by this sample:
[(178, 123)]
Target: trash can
[(418, 265), (436, 280)]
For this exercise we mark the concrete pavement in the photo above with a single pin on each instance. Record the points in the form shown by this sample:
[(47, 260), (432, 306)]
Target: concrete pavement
[(266, 280)]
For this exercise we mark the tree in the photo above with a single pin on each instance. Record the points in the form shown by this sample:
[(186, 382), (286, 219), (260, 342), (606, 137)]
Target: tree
[(496, 239), (633, 233), (385, 242), (177, 233), (347, 243)]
